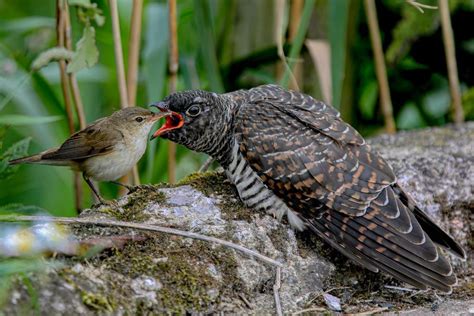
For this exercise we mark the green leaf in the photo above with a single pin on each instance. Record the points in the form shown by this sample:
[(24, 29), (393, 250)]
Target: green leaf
[(203, 22), (55, 53), (99, 19), (299, 39), (3, 130), (13, 266), (17, 150), (155, 63), (436, 103), (338, 21), (86, 54), (20, 209), (21, 25), (81, 3), (412, 26), (410, 117), (18, 119), (368, 99)]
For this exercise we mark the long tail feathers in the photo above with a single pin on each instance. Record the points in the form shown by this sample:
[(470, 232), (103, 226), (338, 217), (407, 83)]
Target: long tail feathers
[(437, 235), (38, 159), (378, 242)]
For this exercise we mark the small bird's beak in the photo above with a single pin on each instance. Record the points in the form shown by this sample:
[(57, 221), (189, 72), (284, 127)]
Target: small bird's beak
[(173, 121), (156, 116)]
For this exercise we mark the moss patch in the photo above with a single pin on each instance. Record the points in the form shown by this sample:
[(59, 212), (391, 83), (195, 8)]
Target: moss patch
[(183, 267), (137, 201), (96, 302)]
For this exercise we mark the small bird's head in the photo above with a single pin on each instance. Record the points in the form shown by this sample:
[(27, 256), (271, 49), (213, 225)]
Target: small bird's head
[(135, 121), (198, 119)]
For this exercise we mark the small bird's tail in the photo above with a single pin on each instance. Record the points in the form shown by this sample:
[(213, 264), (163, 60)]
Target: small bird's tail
[(38, 159), (30, 159)]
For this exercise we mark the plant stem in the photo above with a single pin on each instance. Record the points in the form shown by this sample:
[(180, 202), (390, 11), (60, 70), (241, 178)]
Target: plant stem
[(449, 49), (295, 20), (173, 81), (122, 83), (119, 65), (380, 69), (133, 59), (134, 51), (61, 24), (298, 40), (76, 94), (61, 35)]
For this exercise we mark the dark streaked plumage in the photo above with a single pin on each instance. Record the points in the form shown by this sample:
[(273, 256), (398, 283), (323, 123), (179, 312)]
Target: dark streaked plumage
[(290, 154)]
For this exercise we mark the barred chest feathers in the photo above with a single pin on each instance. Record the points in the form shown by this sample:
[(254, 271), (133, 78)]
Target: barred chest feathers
[(254, 193)]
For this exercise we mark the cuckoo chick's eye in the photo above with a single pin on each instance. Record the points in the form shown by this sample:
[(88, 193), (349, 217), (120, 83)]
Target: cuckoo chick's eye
[(193, 110), (139, 119)]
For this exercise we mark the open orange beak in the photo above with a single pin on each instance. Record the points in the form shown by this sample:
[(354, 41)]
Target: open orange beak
[(173, 120)]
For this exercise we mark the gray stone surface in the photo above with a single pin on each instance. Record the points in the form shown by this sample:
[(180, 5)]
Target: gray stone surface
[(159, 273)]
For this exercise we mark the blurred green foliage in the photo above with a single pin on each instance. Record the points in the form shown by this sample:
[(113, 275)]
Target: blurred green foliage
[(223, 45)]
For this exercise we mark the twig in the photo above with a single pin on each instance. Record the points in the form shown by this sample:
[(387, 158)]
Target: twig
[(206, 164), (449, 49), (246, 301), (147, 227), (173, 80), (61, 36), (76, 95), (397, 288), (381, 71), (421, 6), (120, 68), (312, 309), (276, 291), (371, 312)]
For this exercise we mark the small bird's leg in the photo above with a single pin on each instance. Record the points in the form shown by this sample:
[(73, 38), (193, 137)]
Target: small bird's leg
[(91, 185), (128, 187)]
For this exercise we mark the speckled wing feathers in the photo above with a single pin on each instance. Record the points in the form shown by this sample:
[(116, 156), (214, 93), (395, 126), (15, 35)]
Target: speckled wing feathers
[(323, 170)]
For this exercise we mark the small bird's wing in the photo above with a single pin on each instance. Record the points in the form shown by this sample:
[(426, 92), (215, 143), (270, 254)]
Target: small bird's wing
[(94, 140), (323, 169)]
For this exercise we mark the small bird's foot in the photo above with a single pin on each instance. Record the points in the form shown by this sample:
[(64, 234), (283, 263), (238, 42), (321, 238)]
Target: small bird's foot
[(102, 202), (141, 187)]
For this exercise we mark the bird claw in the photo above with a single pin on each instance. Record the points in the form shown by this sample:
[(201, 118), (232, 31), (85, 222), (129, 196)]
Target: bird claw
[(109, 203), (141, 187)]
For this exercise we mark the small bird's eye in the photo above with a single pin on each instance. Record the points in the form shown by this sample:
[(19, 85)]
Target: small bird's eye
[(193, 110), (139, 119)]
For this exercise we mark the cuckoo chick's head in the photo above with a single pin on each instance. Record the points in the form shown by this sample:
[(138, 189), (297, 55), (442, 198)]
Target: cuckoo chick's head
[(198, 119)]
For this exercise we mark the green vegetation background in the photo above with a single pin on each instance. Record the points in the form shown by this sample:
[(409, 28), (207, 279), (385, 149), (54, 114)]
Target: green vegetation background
[(223, 45)]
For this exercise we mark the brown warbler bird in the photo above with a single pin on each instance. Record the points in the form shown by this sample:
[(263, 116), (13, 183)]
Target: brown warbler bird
[(105, 150)]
